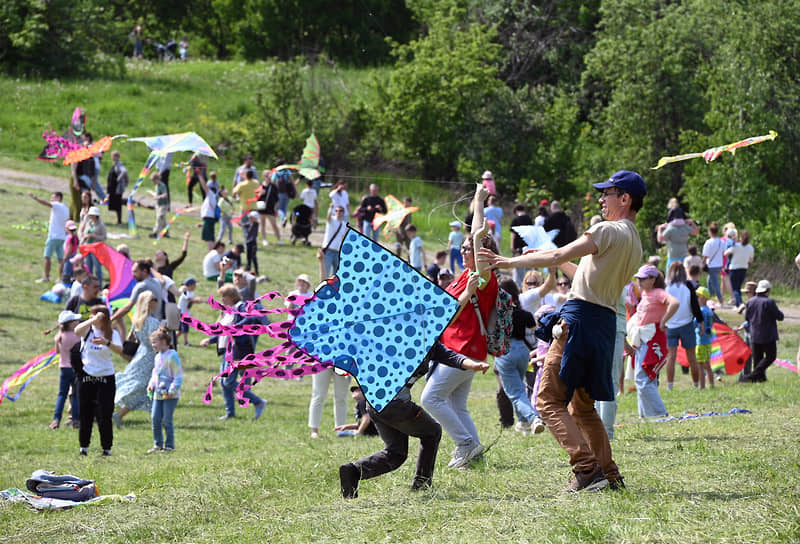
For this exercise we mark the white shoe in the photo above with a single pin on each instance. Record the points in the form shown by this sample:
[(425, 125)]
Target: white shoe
[(463, 455), (537, 426), (264, 242), (523, 427)]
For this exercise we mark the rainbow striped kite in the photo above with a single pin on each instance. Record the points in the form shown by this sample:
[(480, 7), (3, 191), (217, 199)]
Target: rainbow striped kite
[(711, 154)]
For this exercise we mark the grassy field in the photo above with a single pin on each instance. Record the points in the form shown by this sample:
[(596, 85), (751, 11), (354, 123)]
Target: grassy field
[(720, 479)]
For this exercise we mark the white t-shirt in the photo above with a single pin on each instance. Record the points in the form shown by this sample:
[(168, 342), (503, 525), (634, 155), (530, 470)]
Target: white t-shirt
[(209, 208), (211, 264), (309, 197), (415, 252), (331, 228), (97, 357), (184, 300), (684, 314), (741, 255), (59, 214), (714, 249)]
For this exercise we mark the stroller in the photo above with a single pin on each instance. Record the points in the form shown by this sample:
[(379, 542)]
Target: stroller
[(166, 51), (301, 223)]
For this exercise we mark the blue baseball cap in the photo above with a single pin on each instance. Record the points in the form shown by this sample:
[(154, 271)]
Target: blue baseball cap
[(630, 182), (189, 281)]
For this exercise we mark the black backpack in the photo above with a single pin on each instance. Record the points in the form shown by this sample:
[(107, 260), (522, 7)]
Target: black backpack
[(76, 355)]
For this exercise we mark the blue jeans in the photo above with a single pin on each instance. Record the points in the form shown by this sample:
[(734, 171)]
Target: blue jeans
[(455, 257), (225, 226), (650, 403), (512, 367), (161, 416), (229, 391), (713, 282), (737, 279), (283, 205), (331, 262), (65, 380), (95, 268), (607, 409), (368, 231)]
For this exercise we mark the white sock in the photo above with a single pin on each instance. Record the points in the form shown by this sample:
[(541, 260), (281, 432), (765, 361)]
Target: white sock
[(670, 385)]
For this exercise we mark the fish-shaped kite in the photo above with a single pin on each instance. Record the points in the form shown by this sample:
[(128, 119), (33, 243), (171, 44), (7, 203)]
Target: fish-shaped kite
[(394, 215), (711, 154)]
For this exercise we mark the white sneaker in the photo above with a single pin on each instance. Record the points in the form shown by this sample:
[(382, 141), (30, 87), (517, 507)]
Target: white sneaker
[(523, 427), (463, 455), (264, 242), (537, 426)]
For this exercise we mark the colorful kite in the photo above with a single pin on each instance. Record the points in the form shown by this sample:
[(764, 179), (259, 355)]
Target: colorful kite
[(121, 280), (536, 237), (377, 319), (160, 147), (100, 146), (394, 216), (787, 364), (711, 154), (728, 351), (22, 377), (57, 147), (310, 166)]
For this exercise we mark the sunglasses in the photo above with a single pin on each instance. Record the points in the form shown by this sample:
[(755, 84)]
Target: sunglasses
[(532, 283), (466, 249), (563, 284)]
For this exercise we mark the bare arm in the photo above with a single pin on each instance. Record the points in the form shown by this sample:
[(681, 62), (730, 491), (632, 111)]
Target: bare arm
[(660, 233), (672, 307), (549, 283), (569, 268), (40, 201), (584, 245)]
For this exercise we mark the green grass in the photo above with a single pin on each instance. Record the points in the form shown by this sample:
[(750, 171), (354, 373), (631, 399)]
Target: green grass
[(722, 479)]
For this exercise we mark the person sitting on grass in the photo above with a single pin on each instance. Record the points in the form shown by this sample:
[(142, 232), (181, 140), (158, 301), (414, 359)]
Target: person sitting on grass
[(400, 419), (364, 426)]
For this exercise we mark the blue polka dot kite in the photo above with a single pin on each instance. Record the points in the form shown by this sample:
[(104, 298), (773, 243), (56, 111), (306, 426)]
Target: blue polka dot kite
[(377, 319)]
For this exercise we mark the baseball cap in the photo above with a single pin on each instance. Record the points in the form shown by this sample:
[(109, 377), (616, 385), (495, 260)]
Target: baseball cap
[(763, 286), (66, 316), (703, 292), (70, 225), (445, 272), (455, 223), (646, 271), (487, 175), (628, 181), (189, 281), (305, 278), (94, 210), (544, 202)]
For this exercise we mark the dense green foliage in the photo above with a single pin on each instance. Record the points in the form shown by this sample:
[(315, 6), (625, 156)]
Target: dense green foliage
[(550, 96)]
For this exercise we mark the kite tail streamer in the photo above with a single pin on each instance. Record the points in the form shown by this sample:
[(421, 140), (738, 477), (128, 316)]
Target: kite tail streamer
[(22, 377), (272, 362), (171, 221), (148, 165)]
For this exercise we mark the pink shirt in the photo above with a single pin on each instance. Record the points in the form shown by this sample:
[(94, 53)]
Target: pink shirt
[(652, 307)]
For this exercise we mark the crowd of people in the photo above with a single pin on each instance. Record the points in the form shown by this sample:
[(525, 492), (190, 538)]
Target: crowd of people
[(571, 329)]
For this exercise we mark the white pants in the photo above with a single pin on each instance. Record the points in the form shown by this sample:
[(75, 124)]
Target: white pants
[(445, 397), (319, 390)]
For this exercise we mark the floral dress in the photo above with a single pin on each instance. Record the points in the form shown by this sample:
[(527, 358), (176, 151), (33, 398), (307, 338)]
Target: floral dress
[(132, 382)]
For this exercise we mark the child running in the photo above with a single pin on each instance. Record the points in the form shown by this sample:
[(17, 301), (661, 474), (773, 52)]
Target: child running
[(165, 387)]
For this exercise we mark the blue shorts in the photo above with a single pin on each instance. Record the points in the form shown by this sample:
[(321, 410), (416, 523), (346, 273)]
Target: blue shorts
[(184, 327), (53, 245), (686, 335)]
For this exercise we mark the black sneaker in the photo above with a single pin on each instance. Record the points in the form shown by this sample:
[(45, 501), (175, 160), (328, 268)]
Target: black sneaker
[(421, 484), (83, 452), (593, 480), (348, 477), (617, 485)]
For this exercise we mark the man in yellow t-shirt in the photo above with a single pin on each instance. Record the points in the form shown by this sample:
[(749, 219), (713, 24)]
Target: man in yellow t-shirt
[(245, 192), (577, 368)]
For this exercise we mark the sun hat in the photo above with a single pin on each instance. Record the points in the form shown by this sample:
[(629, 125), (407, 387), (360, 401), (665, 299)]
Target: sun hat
[(703, 292), (94, 210), (305, 278), (646, 271), (487, 175), (66, 316), (628, 181), (763, 286)]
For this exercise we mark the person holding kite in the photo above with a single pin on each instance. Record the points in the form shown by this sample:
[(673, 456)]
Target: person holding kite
[(577, 368), (447, 389), (402, 418)]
